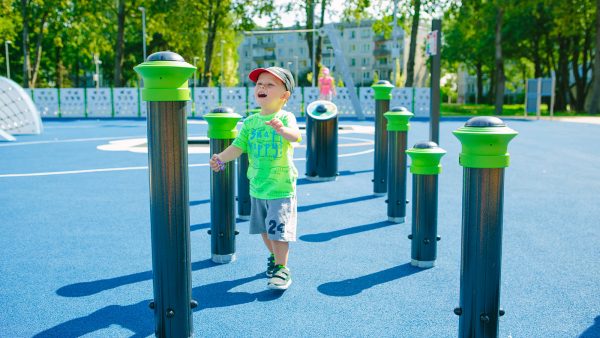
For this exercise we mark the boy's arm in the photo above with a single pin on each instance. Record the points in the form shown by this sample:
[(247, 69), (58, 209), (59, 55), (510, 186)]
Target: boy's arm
[(290, 133), (229, 154)]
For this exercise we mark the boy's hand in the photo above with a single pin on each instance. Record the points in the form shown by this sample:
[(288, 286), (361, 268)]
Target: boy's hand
[(216, 164), (276, 124)]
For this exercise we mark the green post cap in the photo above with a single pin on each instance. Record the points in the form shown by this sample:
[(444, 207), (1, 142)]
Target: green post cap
[(165, 77), (398, 119), (222, 123), (484, 142), (425, 158), (383, 90)]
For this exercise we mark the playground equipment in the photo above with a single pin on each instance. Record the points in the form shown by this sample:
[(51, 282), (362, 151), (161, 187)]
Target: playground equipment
[(484, 156), (321, 141), (397, 128), (222, 130), (383, 90), (243, 184), (18, 114), (425, 167), (165, 77)]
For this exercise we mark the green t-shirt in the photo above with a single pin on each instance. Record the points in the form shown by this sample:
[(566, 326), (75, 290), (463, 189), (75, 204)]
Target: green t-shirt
[(271, 169)]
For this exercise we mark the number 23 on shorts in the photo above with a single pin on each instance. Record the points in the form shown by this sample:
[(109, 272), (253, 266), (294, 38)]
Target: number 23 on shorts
[(273, 227)]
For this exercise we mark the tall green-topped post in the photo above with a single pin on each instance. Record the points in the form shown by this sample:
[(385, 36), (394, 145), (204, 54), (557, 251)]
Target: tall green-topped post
[(222, 122), (243, 184), (397, 127), (484, 156), (383, 95), (425, 167), (166, 90)]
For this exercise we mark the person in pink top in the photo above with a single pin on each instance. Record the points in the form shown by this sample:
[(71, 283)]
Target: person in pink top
[(326, 85)]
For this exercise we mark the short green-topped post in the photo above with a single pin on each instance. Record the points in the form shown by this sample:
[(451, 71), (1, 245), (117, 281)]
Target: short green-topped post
[(383, 95), (484, 156), (165, 89), (222, 122), (425, 167), (397, 128), (243, 184)]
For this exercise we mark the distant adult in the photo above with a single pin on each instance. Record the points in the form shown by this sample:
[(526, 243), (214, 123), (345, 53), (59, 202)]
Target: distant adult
[(326, 85)]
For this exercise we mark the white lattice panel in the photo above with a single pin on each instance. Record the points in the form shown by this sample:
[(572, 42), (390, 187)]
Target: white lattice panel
[(99, 102), (343, 102), (234, 97), (366, 95), (126, 102), (422, 102), (310, 94), (206, 99), (294, 104), (72, 102), (46, 101), (402, 97)]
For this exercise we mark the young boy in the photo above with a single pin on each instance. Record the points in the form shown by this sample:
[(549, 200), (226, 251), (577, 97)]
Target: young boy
[(267, 137)]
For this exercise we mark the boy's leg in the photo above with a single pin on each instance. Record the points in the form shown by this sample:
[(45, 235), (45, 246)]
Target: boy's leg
[(281, 251), (268, 242)]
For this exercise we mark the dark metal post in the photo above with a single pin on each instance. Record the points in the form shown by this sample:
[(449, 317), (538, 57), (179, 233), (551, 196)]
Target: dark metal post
[(222, 130), (243, 184), (436, 69), (484, 156), (165, 88), (397, 128), (321, 141), (425, 167), (383, 95)]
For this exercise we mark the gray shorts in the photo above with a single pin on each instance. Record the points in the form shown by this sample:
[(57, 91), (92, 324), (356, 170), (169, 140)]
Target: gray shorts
[(277, 218)]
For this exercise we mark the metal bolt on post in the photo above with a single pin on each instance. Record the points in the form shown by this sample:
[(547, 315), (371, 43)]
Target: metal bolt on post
[(484, 156), (397, 128), (243, 184), (425, 167), (321, 141), (165, 77), (383, 95), (222, 130)]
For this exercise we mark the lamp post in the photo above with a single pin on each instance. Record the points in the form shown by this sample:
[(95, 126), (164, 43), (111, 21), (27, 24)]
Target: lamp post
[(296, 62), (6, 43), (97, 61), (143, 30), (222, 64)]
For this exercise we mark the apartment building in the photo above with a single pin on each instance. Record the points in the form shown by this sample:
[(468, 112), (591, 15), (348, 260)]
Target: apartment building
[(364, 52)]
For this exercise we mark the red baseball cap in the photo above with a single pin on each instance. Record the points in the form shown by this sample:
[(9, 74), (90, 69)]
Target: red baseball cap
[(281, 73)]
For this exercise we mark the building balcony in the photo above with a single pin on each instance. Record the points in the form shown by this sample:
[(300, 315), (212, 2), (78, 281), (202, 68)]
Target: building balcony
[(267, 57), (381, 51), (264, 45)]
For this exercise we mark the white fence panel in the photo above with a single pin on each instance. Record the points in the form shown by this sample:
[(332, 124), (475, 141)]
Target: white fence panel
[(234, 97), (126, 102), (46, 101), (343, 102), (402, 97), (294, 104), (72, 102), (99, 102), (206, 99), (366, 95), (422, 102)]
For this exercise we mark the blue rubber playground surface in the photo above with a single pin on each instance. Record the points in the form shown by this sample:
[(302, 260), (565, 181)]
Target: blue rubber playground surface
[(76, 255)]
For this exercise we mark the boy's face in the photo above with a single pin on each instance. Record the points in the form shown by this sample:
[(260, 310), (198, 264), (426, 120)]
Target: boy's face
[(269, 91)]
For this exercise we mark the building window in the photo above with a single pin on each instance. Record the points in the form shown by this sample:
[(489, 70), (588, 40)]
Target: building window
[(366, 75), (383, 61), (353, 62), (352, 34), (352, 47), (365, 62)]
